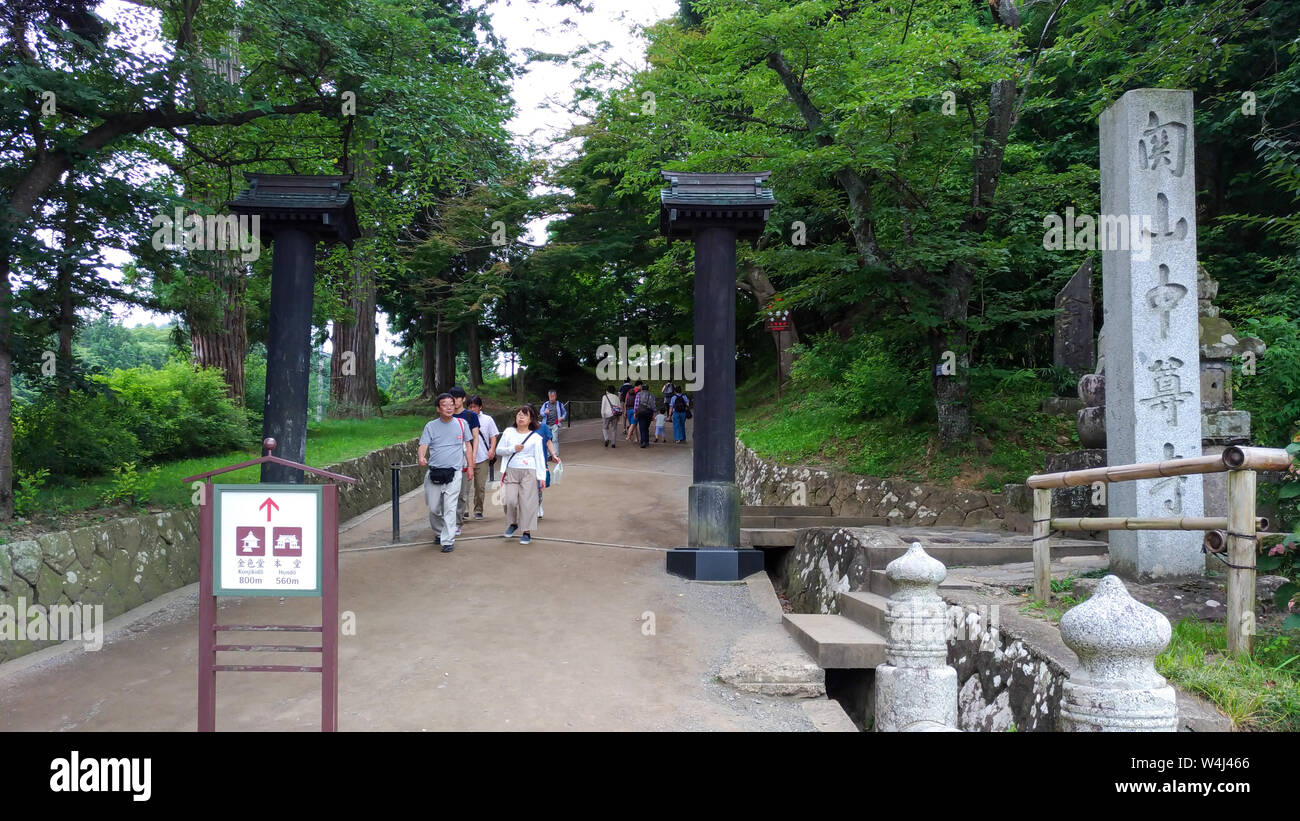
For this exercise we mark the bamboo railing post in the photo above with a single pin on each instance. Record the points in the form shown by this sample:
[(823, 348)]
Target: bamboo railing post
[(1241, 554), (1042, 543)]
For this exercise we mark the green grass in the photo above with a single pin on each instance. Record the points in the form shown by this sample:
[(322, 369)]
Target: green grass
[(1053, 610), (328, 442), (1010, 436), (1257, 693)]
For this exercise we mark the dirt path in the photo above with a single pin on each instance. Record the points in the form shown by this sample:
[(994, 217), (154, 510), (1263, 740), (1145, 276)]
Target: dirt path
[(494, 636)]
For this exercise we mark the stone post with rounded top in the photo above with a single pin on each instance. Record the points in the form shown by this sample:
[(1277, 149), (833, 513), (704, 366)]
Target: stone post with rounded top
[(1116, 687), (916, 690)]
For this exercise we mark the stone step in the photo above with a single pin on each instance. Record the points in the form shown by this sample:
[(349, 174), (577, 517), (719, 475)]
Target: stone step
[(836, 642), (762, 537), (751, 520), (865, 608), (957, 551), (879, 584), (786, 510)]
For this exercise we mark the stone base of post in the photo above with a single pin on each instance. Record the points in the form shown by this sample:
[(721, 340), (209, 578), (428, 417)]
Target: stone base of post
[(714, 511), (911, 699), (714, 564), (714, 553), (1087, 709)]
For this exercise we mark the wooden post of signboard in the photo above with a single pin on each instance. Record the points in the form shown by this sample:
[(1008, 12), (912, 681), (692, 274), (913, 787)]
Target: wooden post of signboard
[(329, 611), (207, 619)]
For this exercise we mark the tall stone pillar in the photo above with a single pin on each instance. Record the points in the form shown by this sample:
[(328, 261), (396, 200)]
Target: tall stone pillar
[(715, 210), (1148, 241)]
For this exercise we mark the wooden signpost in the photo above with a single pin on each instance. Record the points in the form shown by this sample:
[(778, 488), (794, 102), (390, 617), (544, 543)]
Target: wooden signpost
[(777, 323), (268, 540)]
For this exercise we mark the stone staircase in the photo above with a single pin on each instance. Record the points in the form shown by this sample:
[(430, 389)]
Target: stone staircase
[(854, 639), (776, 526)]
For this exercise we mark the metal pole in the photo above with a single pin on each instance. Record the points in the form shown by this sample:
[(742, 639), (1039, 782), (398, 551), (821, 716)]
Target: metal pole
[(397, 516)]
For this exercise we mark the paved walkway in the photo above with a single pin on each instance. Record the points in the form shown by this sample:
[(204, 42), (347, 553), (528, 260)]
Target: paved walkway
[(495, 636)]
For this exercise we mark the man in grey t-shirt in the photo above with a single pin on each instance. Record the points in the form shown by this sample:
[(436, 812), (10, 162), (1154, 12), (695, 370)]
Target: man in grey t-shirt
[(445, 443)]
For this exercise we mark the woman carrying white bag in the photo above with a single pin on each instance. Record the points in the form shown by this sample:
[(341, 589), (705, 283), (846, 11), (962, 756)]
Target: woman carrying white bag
[(611, 413), (524, 468)]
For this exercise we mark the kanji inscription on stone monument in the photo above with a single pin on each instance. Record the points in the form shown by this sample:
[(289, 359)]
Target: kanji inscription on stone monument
[(1152, 359)]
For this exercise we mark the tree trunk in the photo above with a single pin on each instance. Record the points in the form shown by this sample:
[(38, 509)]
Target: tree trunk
[(950, 351), (428, 357), (354, 387), (475, 356), (757, 283), (222, 341), (6, 383), (446, 357), (67, 322)]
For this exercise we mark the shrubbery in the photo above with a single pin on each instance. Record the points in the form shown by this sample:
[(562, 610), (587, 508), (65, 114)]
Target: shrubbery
[(143, 415), (863, 376)]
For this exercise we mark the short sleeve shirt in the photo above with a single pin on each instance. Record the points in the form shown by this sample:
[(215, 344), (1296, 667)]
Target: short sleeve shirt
[(487, 429), (446, 443)]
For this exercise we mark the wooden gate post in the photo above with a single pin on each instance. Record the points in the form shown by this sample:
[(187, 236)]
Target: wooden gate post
[(1241, 558), (1042, 517)]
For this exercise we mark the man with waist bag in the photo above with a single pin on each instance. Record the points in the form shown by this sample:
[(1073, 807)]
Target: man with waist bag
[(445, 451)]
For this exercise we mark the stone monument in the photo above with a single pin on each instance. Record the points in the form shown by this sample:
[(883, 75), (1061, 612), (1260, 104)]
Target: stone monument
[(1072, 344), (1148, 202), (1221, 425)]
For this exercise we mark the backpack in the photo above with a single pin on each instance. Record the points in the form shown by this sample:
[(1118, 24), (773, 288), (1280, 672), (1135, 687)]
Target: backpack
[(645, 404), (680, 405)]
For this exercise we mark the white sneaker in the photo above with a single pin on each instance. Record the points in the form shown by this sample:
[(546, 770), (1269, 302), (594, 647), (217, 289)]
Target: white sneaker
[(539, 512)]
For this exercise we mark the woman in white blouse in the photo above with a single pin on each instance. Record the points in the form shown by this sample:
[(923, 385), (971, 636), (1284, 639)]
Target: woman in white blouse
[(525, 466)]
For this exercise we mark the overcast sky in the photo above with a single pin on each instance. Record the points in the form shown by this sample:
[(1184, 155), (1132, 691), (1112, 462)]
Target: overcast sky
[(543, 27)]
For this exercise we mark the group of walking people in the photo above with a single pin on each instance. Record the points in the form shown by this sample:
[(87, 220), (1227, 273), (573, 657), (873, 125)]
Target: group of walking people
[(632, 408), (460, 449)]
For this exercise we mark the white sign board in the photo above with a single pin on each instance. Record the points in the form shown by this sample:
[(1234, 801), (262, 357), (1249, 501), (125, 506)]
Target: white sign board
[(268, 540)]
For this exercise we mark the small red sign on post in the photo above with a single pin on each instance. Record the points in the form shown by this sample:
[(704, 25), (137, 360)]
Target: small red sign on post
[(777, 321)]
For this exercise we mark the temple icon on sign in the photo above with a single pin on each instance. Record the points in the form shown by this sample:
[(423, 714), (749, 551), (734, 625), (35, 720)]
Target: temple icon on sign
[(288, 541), (250, 541)]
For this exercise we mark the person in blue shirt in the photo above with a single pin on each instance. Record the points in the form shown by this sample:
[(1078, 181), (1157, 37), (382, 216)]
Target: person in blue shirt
[(553, 414)]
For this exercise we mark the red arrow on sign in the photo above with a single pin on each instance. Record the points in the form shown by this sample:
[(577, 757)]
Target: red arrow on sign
[(268, 509)]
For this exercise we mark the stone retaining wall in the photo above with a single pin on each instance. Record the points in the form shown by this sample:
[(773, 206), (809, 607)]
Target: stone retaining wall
[(374, 476), (763, 482), (123, 563)]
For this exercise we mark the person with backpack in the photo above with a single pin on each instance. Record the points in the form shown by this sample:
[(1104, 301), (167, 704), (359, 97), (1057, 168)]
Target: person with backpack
[(446, 450), (553, 415), (524, 468), (629, 406), (467, 484), (679, 409), (645, 413), (485, 452), (611, 413)]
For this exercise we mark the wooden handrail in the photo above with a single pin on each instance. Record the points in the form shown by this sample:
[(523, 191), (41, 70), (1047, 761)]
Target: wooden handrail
[(1233, 458)]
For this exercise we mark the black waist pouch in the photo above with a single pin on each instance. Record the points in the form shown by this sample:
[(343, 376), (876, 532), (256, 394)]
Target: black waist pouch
[(441, 476)]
